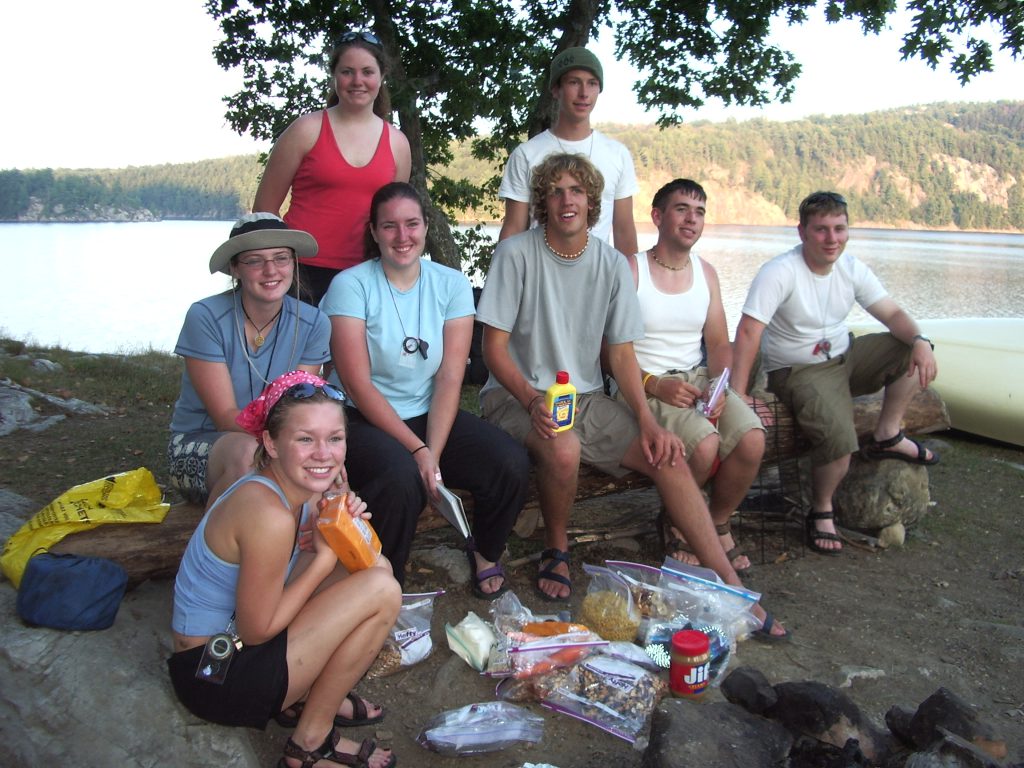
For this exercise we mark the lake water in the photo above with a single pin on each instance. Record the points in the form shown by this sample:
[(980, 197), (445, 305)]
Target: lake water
[(126, 287)]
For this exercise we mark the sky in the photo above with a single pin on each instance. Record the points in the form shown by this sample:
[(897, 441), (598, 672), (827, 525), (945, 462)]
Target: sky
[(114, 83)]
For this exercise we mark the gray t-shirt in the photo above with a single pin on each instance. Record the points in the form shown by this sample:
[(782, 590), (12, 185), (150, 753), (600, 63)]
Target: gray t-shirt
[(213, 331), (557, 311)]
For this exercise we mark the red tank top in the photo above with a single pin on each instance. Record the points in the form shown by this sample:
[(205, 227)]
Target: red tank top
[(331, 198)]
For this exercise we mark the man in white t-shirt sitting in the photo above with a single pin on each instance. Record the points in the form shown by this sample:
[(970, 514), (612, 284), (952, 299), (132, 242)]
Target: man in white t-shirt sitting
[(576, 80), (796, 314), (681, 302)]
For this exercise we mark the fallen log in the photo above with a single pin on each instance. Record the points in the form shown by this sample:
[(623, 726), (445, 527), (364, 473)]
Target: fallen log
[(154, 551)]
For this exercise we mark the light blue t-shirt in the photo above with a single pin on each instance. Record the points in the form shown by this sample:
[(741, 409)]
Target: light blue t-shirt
[(405, 379), (213, 331), (206, 586)]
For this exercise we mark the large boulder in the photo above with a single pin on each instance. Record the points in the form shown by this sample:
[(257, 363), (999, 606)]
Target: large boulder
[(877, 494), (104, 698)]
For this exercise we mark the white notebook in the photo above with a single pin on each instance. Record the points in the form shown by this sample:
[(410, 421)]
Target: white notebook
[(450, 507)]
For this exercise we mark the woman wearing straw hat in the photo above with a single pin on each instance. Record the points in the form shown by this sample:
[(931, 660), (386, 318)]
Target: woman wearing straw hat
[(334, 160), (234, 344)]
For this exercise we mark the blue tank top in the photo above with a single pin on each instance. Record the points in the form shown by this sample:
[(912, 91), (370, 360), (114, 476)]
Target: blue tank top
[(205, 587)]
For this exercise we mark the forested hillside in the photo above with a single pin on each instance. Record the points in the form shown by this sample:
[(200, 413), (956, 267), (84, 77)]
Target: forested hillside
[(938, 166)]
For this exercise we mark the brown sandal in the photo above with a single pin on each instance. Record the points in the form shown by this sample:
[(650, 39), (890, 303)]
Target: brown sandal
[(327, 751), (735, 553), (289, 716)]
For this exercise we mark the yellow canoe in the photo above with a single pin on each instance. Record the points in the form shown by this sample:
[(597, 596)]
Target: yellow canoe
[(981, 373)]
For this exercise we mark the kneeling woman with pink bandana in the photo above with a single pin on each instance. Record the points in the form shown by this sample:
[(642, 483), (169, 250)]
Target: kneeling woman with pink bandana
[(265, 619)]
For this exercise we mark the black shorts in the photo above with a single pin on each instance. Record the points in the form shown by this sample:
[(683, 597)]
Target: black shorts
[(252, 692)]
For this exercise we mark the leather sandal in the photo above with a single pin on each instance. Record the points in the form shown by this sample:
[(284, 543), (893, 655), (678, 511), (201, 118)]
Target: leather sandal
[(671, 544), (289, 716), (734, 553), (327, 751), (814, 535)]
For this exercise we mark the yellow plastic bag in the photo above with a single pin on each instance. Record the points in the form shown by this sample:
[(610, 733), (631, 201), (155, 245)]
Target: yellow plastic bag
[(128, 497)]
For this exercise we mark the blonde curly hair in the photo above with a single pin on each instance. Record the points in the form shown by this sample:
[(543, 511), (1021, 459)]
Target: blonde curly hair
[(550, 171)]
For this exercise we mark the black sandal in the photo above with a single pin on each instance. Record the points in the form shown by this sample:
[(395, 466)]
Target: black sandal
[(814, 535), (327, 751), (547, 573), (876, 450), (289, 716)]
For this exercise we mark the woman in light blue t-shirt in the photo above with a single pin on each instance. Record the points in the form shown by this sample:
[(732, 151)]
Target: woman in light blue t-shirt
[(236, 342), (401, 328)]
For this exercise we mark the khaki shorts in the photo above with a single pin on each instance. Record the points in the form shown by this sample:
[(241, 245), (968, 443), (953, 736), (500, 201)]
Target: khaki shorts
[(821, 394), (736, 420), (605, 427)]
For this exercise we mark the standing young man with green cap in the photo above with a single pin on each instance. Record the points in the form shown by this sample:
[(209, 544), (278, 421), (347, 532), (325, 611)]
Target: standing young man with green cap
[(576, 80)]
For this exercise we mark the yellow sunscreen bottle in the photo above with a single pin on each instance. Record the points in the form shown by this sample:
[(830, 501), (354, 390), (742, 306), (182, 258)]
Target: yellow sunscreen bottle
[(561, 401)]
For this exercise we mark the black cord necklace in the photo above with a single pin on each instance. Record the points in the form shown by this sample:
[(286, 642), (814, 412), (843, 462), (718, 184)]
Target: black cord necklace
[(260, 338)]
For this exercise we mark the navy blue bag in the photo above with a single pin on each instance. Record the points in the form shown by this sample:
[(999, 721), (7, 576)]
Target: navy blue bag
[(71, 591)]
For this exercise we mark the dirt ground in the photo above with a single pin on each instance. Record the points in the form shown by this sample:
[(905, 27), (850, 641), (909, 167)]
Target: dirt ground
[(888, 627), (892, 626)]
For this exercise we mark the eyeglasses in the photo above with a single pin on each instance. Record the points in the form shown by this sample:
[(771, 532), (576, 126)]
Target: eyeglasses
[(362, 34), (411, 344), (258, 263), (307, 390)]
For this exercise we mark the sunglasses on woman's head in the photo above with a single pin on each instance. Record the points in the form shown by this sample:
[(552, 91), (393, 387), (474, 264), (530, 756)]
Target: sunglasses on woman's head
[(306, 389), (362, 34)]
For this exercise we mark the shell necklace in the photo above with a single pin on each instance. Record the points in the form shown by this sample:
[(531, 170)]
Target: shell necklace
[(566, 256)]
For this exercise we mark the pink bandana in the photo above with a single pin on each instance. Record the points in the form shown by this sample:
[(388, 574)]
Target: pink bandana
[(253, 418)]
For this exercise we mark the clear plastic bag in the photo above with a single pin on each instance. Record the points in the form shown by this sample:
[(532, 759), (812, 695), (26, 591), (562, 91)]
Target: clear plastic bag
[(608, 607), (484, 727), (653, 600), (409, 641), (614, 695), (471, 639), (658, 646), (707, 600), (530, 655)]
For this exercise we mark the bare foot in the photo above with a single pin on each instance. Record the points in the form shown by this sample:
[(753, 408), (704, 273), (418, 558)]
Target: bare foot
[(550, 586), (494, 583), (740, 562)]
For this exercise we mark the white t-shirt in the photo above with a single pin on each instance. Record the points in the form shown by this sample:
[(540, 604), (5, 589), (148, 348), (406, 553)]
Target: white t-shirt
[(610, 157), (802, 310)]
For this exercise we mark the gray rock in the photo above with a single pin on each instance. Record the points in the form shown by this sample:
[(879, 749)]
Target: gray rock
[(15, 410), (898, 721), (952, 752), (750, 689), (826, 714), (944, 712), (713, 735), (104, 698), (47, 366), (877, 494)]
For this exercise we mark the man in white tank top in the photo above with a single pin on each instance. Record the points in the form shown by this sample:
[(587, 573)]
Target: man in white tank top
[(681, 303)]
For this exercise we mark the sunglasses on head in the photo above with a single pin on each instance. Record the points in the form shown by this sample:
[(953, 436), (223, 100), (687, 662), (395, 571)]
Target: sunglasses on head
[(306, 390), (362, 34)]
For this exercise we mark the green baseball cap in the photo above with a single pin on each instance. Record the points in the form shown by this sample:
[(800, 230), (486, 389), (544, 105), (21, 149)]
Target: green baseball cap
[(575, 58)]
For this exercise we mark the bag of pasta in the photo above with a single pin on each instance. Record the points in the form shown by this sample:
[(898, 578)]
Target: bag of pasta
[(608, 607)]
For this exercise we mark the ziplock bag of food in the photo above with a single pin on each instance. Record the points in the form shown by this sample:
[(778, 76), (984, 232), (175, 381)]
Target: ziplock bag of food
[(484, 727), (616, 696), (608, 607), (409, 641)]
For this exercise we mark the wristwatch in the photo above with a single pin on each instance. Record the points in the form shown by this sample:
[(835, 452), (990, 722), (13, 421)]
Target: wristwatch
[(925, 338)]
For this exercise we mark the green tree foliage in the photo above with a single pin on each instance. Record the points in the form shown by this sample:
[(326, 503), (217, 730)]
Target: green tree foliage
[(211, 189), (466, 63)]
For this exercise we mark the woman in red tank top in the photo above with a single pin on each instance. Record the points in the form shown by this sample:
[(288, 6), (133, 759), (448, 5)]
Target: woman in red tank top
[(334, 160)]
